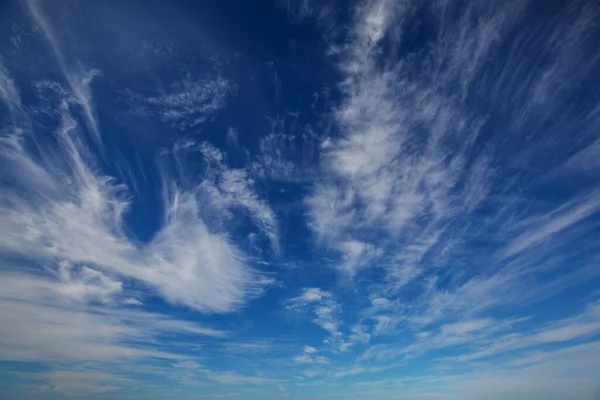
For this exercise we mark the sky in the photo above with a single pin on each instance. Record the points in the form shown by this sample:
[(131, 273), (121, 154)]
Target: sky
[(300, 199)]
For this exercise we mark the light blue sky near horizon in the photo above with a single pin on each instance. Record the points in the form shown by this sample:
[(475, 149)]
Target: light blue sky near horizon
[(299, 199)]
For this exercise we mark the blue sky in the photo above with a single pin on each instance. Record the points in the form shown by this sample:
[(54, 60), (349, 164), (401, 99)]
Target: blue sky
[(299, 199)]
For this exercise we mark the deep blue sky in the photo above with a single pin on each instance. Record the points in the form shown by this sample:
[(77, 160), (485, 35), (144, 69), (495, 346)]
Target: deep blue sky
[(299, 199)]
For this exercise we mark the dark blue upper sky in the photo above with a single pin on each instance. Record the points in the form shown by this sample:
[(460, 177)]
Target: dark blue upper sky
[(299, 199)]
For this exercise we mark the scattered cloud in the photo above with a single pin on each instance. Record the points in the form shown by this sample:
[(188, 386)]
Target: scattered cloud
[(82, 223), (185, 104), (324, 308)]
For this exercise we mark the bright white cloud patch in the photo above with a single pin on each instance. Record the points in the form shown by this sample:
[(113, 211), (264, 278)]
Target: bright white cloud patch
[(82, 223)]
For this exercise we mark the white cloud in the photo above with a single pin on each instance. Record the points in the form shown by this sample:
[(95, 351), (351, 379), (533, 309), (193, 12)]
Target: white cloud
[(556, 374), (309, 359), (459, 328), (79, 78), (59, 212), (216, 395), (234, 188), (84, 381), (414, 174), (249, 346), (186, 103), (327, 318), (330, 211), (45, 321), (79, 220), (88, 284), (309, 350), (541, 228), (402, 178), (233, 378), (358, 334), (356, 254), (381, 303), (580, 326), (566, 333), (8, 90), (349, 372), (324, 307), (309, 295), (394, 170)]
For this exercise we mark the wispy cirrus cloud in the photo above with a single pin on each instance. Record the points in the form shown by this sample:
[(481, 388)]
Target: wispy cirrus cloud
[(65, 210), (227, 188), (309, 356), (324, 308), (568, 371), (415, 178), (69, 258), (186, 103), (403, 160), (83, 225), (78, 77), (88, 326)]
